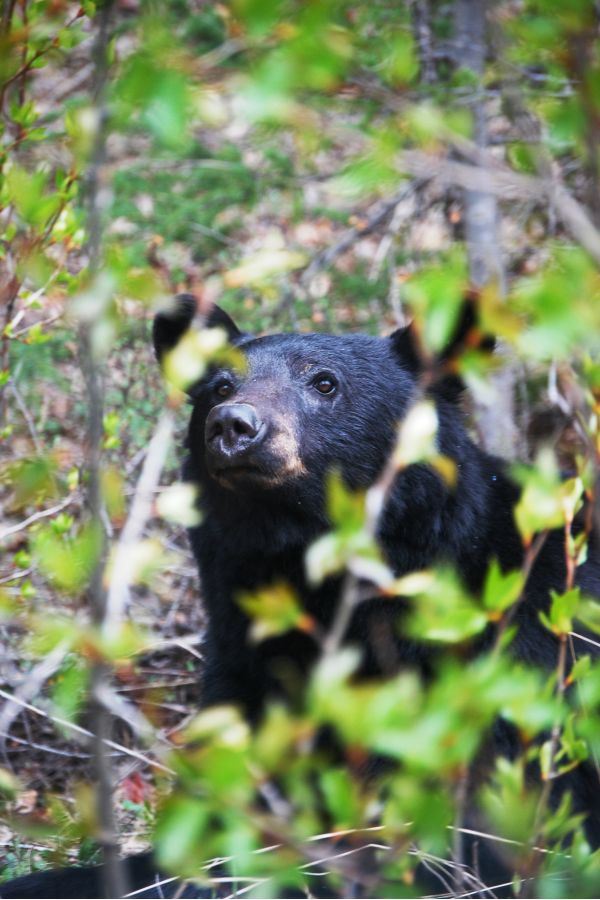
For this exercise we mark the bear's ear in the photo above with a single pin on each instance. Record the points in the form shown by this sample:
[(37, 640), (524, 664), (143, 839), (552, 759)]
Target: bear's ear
[(468, 333), (172, 323), (218, 318), (439, 374), (406, 346), (434, 374)]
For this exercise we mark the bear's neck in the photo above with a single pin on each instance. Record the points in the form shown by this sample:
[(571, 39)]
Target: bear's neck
[(424, 522)]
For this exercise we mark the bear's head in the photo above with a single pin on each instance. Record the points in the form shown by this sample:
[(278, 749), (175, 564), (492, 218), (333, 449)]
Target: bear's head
[(303, 405)]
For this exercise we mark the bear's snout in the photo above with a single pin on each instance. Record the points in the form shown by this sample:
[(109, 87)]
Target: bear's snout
[(232, 431)]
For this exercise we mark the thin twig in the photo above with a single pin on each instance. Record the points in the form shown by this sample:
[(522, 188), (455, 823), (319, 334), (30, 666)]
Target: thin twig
[(554, 742), (349, 597), (500, 840), (45, 748), (120, 708), (30, 687), (460, 804), (16, 576), (27, 416), (43, 514), (155, 764), (530, 557), (582, 637), (374, 220), (40, 324)]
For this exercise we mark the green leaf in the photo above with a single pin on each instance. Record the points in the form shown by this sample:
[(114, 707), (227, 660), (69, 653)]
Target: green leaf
[(259, 16), (179, 503), (26, 191), (436, 296), (274, 610), (522, 158), (179, 834), (195, 351), (509, 803), (222, 726), (501, 590), (68, 562), (401, 64), (417, 435), (69, 688), (263, 265), (546, 502), (346, 508), (445, 612), (167, 110), (588, 612), (9, 786), (328, 679), (581, 668), (358, 552), (563, 609), (341, 796)]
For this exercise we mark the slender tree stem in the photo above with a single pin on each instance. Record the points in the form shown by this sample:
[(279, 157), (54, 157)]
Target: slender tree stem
[(113, 872)]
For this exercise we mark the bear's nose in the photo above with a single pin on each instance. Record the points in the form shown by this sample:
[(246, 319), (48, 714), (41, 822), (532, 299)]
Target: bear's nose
[(233, 428)]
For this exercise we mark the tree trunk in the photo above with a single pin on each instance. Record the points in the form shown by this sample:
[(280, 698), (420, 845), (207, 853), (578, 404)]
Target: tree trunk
[(496, 420)]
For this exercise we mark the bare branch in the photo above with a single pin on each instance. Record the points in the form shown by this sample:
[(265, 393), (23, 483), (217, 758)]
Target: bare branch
[(30, 687), (377, 218), (26, 415), (43, 514), (508, 185), (84, 732), (114, 876), (124, 560)]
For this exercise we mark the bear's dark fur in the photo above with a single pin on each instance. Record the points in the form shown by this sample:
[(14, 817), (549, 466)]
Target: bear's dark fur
[(262, 499), (260, 444)]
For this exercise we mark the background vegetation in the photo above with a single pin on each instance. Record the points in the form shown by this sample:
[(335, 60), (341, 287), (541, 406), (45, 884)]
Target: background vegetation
[(309, 165)]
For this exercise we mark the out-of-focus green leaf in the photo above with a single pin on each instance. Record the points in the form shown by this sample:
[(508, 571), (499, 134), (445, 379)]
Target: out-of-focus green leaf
[(33, 479), (436, 297), (69, 688), (563, 609), (179, 834), (445, 612), (417, 435), (501, 589), (346, 508), (357, 551), (26, 191), (259, 16), (221, 724), (195, 351), (274, 610), (8, 783), (401, 65), (68, 562), (340, 790), (179, 503), (263, 265), (546, 501)]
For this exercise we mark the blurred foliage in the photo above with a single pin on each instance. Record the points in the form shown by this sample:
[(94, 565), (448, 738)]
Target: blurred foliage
[(246, 140)]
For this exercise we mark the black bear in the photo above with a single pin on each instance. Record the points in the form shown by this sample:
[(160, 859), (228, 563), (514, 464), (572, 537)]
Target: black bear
[(260, 444)]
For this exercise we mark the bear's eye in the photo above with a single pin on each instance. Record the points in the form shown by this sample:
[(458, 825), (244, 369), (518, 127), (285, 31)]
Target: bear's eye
[(325, 384), (223, 389)]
